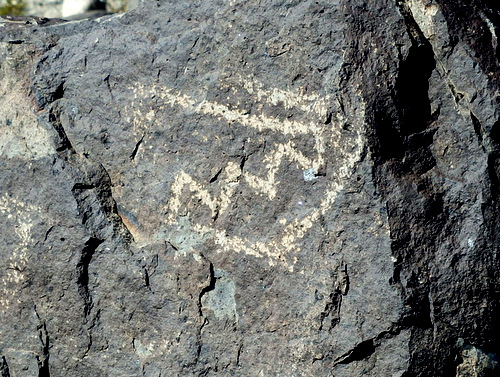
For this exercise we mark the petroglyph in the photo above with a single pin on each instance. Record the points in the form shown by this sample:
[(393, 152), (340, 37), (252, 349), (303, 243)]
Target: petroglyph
[(20, 214), (312, 103), (267, 185), (231, 176), (312, 107)]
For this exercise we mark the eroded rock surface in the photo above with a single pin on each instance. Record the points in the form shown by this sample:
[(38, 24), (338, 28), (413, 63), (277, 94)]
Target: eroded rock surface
[(301, 188)]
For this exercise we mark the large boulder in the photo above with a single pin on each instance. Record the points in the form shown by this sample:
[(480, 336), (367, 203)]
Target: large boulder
[(242, 188)]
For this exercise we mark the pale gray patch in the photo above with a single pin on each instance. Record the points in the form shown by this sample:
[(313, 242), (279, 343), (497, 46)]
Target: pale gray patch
[(182, 236), (221, 300), (310, 174)]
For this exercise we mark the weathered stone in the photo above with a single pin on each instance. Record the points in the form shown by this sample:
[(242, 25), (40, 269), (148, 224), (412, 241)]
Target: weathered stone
[(299, 188)]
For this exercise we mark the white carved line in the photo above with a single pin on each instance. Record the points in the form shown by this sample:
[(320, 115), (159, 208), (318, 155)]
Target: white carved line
[(275, 250), (20, 214)]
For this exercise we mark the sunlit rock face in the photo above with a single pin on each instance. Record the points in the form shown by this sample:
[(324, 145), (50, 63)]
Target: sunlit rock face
[(247, 188)]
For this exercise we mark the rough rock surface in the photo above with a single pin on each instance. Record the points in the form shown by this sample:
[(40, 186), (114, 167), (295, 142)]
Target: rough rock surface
[(243, 188)]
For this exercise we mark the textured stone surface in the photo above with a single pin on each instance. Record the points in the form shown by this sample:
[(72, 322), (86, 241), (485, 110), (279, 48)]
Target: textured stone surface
[(270, 188)]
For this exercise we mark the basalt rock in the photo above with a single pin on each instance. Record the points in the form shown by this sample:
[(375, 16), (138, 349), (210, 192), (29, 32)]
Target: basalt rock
[(242, 188)]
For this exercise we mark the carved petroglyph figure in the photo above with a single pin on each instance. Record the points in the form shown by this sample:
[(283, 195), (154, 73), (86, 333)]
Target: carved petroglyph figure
[(19, 214), (277, 250)]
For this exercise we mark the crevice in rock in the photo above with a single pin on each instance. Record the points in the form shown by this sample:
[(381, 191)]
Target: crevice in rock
[(136, 149), (82, 270), (328, 119), (366, 348), (495, 132), (149, 270), (238, 355), (4, 368), (59, 92), (215, 176), (414, 110), (47, 94), (63, 142), (199, 342), (331, 313), (204, 290), (478, 128), (43, 361), (490, 256), (47, 233), (92, 192), (400, 131), (361, 351), (90, 330), (412, 87), (82, 186), (491, 206), (147, 282), (493, 172), (205, 372), (108, 85), (208, 288), (244, 160)]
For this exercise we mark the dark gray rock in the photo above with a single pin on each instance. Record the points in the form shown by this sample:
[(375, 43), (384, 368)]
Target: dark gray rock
[(297, 188)]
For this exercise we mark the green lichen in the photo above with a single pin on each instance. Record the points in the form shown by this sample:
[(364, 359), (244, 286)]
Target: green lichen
[(13, 8), (117, 6)]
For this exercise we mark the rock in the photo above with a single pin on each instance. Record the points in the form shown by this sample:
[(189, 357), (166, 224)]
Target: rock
[(251, 189), (476, 363)]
